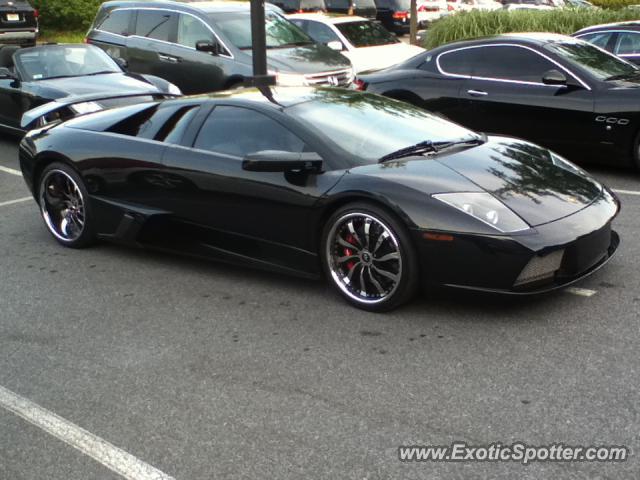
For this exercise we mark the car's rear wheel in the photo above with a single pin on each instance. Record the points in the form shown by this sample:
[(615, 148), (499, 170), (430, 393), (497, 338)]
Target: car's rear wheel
[(368, 256), (64, 206)]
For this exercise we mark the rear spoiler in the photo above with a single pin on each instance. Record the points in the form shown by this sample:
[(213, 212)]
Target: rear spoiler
[(36, 117)]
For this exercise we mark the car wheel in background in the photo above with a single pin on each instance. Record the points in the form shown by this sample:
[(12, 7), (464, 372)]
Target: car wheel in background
[(368, 256)]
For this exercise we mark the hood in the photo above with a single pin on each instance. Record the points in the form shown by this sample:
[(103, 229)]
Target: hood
[(526, 178), (107, 84), (306, 59), (522, 175), (384, 56)]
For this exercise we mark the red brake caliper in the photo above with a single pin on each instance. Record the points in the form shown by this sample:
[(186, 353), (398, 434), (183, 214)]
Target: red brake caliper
[(348, 252)]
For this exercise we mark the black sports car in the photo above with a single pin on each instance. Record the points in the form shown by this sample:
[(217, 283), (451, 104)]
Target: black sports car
[(80, 78), (379, 194), (623, 38), (557, 91)]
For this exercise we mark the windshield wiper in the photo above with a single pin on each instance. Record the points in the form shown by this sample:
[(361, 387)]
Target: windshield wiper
[(103, 72), (429, 146)]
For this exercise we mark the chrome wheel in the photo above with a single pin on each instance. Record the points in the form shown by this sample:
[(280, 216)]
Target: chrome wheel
[(62, 205), (364, 258)]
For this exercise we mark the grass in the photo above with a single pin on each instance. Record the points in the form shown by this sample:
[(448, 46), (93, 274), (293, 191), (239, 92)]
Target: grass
[(474, 24), (54, 36)]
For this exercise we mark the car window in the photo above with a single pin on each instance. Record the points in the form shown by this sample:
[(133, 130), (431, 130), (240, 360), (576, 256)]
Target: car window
[(321, 33), (174, 129), (366, 34), (239, 131), (116, 22), (499, 62), (192, 30), (156, 24), (599, 39), (337, 4), (628, 43)]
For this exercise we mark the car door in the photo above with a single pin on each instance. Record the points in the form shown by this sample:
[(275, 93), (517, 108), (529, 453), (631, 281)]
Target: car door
[(261, 214), (150, 48), (199, 72), (506, 95)]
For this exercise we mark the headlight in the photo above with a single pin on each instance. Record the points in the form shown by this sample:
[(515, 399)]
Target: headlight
[(289, 79), (85, 107), (486, 208), (173, 90)]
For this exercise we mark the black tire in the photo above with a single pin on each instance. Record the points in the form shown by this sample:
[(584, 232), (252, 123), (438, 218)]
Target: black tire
[(65, 206), (362, 258)]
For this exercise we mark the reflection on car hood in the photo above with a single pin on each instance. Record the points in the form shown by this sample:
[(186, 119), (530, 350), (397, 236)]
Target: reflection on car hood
[(526, 179), (107, 84), (306, 59), (383, 56), (522, 175)]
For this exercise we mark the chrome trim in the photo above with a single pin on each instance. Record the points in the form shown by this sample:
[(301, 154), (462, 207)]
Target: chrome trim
[(230, 55), (505, 80)]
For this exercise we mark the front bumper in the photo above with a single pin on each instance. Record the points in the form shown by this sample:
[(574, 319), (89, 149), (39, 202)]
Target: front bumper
[(583, 243)]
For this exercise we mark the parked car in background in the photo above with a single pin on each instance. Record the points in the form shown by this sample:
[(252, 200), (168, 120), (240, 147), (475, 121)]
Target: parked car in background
[(204, 47), (367, 44), (76, 78), (573, 4), (362, 8), (484, 5), (554, 90), (376, 195), (300, 6), (528, 5), (431, 10), (394, 15), (18, 23), (622, 39)]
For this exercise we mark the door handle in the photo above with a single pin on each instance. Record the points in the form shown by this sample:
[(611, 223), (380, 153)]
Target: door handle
[(477, 93), (168, 58)]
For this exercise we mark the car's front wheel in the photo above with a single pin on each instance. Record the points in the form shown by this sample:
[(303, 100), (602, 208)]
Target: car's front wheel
[(368, 256), (63, 200)]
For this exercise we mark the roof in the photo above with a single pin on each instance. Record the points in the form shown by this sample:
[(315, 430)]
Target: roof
[(276, 96), (321, 17), (525, 38), (189, 5), (604, 26)]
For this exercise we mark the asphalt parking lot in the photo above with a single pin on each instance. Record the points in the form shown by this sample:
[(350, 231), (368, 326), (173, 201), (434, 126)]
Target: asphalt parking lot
[(208, 371)]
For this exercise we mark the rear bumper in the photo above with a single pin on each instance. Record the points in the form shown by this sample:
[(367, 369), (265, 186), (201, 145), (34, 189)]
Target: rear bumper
[(579, 245), (18, 37)]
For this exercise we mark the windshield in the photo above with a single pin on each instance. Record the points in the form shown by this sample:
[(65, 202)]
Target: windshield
[(602, 65), (366, 34), (59, 61), (367, 127), (279, 31)]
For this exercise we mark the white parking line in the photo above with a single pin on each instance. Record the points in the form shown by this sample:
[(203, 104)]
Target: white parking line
[(582, 292), (10, 170), (627, 192), (112, 457), (17, 200)]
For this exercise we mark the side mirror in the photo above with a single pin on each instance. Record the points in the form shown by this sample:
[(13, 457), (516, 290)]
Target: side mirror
[(122, 63), (209, 47), (277, 161), (554, 77), (335, 45), (6, 74)]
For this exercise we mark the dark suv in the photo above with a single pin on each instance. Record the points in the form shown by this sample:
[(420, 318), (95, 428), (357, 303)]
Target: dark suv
[(300, 6), (361, 8), (18, 23), (394, 14), (204, 47)]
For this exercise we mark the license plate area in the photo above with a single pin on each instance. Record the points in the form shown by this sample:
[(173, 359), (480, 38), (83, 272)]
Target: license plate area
[(13, 17)]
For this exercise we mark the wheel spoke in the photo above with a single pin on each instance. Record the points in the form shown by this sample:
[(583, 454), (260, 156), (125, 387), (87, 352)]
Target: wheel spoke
[(375, 282), (383, 236), (355, 235), (367, 230), (363, 288), (391, 276), (346, 244), (346, 258), (387, 257), (349, 276)]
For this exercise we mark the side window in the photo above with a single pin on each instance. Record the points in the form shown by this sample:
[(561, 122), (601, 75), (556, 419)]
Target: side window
[(321, 33), (164, 122), (116, 22), (239, 131), (173, 130), (156, 24), (301, 24), (599, 39), (512, 63), (191, 30), (628, 43), (500, 62)]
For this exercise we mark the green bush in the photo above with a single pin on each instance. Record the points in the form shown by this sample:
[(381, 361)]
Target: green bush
[(69, 15), (474, 24), (614, 3)]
